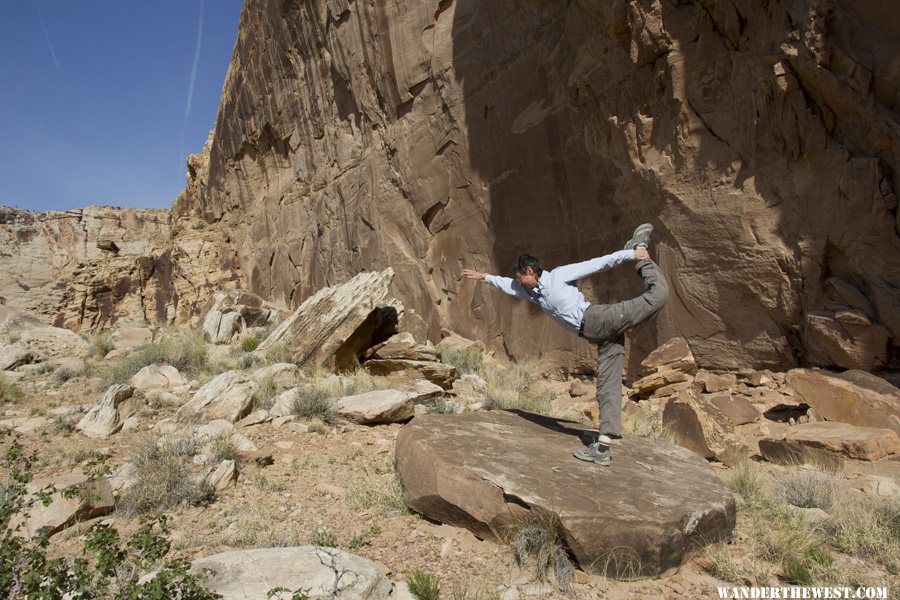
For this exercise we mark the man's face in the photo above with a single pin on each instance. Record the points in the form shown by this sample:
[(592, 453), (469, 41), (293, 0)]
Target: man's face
[(528, 279)]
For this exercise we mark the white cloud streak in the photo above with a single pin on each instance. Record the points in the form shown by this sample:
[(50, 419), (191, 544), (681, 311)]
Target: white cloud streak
[(187, 110), (46, 35)]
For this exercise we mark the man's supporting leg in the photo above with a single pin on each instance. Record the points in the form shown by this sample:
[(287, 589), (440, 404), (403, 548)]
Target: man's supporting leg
[(610, 358)]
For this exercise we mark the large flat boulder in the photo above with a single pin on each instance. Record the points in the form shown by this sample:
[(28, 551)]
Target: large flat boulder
[(337, 324), (475, 470), (853, 397), (318, 572), (860, 443)]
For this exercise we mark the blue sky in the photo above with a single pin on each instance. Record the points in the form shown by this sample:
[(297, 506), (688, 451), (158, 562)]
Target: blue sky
[(101, 101)]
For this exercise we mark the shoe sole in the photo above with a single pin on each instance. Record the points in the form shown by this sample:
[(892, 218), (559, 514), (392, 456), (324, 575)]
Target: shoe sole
[(632, 243)]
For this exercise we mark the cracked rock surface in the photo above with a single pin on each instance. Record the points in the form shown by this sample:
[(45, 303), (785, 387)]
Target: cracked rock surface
[(319, 572), (643, 515)]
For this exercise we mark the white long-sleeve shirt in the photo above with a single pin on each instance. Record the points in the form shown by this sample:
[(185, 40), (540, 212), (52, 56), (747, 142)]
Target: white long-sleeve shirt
[(555, 293)]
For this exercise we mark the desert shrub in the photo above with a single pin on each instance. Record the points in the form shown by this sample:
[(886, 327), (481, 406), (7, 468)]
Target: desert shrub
[(222, 447), (249, 343), (186, 352), (423, 586), (313, 402), (806, 489), (163, 477), (9, 392), (866, 527), (512, 387), (63, 374), (748, 482), (108, 568), (786, 539), (381, 494), (466, 360), (322, 536), (535, 538), (99, 344), (280, 352)]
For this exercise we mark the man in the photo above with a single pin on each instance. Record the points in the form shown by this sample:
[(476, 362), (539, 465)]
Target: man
[(601, 324)]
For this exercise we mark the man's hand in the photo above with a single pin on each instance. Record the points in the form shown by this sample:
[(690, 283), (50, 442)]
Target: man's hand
[(473, 274), (640, 253)]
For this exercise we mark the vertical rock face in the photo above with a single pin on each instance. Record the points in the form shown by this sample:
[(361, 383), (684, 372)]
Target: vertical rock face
[(759, 139)]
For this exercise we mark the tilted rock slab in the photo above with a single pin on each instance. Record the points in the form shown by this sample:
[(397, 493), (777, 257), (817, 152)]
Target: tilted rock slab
[(853, 397), (319, 572), (642, 515), (105, 419), (321, 330)]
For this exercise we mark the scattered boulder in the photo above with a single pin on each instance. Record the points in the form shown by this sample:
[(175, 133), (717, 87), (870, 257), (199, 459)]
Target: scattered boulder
[(224, 475), (853, 397), (385, 406), (403, 346), (158, 377), (15, 355), (220, 328), (698, 425), (228, 396), (435, 372), (333, 327), (280, 375), (129, 336), (860, 443), (737, 409), (93, 499), (453, 341), (788, 452), (320, 572), (846, 339), (715, 382), (668, 369), (476, 470), (105, 419)]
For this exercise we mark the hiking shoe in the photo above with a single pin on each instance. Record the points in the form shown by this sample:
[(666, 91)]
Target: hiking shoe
[(597, 453), (641, 237)]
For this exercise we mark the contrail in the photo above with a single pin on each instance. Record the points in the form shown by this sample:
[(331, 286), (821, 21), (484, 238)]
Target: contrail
[(187, 110), (46, 35)]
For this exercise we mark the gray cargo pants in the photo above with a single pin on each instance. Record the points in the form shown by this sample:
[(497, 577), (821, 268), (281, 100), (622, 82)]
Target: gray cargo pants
[(605, 325)]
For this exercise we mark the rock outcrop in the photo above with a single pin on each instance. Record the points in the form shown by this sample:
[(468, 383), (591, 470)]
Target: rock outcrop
[(759, 139), (476, 470)]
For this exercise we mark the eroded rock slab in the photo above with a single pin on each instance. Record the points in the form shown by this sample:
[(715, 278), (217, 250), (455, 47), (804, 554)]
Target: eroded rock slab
[(337, 324), (475, 470), (320, 572), (853, 397)]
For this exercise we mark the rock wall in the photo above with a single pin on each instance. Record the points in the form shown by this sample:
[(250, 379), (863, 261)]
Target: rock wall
[(760, 139), (88, 268)]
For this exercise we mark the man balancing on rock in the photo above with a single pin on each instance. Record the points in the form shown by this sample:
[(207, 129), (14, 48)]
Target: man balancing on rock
[(601, 324)]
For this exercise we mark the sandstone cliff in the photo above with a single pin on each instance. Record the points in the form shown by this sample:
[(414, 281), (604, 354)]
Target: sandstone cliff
[(759, 138)]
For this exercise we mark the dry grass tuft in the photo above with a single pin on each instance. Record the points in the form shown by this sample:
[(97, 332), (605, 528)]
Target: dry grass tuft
[(512, 386), (535, 538)]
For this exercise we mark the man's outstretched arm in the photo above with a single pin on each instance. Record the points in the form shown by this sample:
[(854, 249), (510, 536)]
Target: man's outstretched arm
[(576, 271), (504, 284)]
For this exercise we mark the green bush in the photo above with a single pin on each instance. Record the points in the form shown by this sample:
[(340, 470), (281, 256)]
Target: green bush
[(9, 392), (322, 536), (536, 537), (466, 360), (424, 586), (108, 568), (313, 402), (163, 478), (249, 343), (186, 352)]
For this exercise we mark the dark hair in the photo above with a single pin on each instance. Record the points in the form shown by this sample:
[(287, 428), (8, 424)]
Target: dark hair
[(526, 260)]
